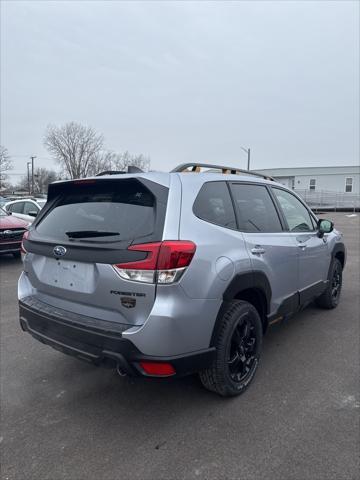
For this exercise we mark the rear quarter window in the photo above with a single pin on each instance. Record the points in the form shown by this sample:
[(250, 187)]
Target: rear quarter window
[(213, 204)]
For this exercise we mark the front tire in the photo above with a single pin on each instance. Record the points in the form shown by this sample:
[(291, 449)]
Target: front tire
[(238, 346), (331, 296)]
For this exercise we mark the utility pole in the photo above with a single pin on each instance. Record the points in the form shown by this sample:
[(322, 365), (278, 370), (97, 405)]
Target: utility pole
[(28, 176), (32, 174), (247, 151)]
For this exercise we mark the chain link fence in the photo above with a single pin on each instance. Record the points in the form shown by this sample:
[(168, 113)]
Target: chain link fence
[(327, 200)]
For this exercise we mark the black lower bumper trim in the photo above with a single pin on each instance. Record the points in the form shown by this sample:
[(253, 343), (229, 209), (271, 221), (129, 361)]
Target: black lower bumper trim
[(86, 339)]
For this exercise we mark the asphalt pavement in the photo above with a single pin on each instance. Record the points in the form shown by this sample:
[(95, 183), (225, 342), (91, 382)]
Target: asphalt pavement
[(64, 419)]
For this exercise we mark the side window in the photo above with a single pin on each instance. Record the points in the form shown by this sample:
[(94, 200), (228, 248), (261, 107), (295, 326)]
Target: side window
[(213, 204), (17, 207), (30, 207), (255, 208), (312, 184), (348, 184), (296, 214)]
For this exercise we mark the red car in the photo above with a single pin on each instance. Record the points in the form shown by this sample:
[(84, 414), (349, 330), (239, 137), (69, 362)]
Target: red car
[(11, 232)]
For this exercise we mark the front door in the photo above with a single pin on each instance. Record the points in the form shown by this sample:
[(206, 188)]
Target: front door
[(313, 251)]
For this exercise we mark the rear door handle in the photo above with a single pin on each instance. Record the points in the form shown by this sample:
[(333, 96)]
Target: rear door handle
[(302, 246), (257, 250)]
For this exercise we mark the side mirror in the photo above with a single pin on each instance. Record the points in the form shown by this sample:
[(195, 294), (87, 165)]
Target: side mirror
[(324, 226), (33, 213)]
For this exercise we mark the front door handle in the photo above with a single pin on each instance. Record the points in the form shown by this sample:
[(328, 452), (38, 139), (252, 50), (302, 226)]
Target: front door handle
[(302, 246), (257, 250)]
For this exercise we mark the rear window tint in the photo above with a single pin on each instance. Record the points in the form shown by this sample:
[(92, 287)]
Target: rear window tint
[(213, 204), (125, 208)]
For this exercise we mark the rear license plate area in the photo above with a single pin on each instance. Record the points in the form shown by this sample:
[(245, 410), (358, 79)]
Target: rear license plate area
[(69, 275)]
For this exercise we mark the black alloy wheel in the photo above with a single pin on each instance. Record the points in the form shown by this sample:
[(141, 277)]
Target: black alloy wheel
[(242, 355)]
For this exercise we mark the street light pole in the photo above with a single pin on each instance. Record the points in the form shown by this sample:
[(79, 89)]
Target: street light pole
[(247, 151), (28, 176), (32, 174)]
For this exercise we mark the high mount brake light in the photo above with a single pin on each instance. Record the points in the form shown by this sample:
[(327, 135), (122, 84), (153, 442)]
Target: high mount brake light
[(83, 182), (165, 263)]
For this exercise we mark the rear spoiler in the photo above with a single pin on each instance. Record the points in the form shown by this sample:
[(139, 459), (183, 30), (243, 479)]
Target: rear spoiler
[(63, 186)]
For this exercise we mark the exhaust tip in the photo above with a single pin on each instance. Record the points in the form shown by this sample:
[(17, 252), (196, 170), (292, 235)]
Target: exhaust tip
[(120, 372)]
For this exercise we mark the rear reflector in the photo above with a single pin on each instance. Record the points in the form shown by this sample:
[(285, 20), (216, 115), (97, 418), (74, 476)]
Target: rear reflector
[(165, 262), (158, 369)]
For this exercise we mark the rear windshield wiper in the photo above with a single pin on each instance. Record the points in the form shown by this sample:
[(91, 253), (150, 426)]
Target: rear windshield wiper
[(90, 233)]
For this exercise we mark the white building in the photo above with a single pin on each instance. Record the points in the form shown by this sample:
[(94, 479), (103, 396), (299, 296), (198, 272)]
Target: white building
[(327, 179)]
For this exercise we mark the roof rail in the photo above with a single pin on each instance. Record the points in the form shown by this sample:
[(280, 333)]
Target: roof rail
[(130, 169), (196, 167)]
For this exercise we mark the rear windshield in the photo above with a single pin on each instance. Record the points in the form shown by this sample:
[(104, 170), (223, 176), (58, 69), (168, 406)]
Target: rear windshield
[(107, 210)]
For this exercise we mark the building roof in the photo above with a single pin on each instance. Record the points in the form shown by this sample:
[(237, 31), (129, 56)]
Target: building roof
[(298, 171)]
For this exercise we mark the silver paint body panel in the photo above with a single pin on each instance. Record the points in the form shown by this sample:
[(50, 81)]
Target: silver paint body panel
[(179, 318)]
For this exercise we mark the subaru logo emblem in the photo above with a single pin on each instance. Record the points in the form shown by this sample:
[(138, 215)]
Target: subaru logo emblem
[(59, 251)]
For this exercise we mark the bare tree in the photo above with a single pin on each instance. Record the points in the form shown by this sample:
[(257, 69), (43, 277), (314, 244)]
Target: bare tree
[(102, 163), (76, 147), (42, 178), (22, 185), (5, 165), (120, 161)]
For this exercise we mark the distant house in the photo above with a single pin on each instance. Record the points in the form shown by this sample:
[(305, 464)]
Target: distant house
[(315, 179)]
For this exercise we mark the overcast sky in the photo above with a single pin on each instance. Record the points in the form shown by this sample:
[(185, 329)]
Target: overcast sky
[(186, 81)]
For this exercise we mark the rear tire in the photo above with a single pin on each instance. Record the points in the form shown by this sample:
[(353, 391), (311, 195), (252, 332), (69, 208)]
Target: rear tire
[(331, 296), (238, 346), (17, 254)]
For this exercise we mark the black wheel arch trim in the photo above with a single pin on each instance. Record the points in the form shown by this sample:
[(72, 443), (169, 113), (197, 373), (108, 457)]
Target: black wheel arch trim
[(252, 280), (339, 248), (249, 280)]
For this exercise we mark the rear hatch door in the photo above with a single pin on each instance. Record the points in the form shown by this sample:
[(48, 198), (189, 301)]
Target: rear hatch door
[(85, 228)]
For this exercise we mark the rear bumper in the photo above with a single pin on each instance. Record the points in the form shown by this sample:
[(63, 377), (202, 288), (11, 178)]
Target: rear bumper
[(97, 341)]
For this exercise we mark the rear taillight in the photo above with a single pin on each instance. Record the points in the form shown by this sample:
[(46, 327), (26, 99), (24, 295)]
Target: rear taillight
[(25, 236), (165, 262), (175, 254)]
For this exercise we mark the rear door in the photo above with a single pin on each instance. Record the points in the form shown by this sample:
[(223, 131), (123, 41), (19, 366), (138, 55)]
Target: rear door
[(85, 229), (313, 251), (272, 250)]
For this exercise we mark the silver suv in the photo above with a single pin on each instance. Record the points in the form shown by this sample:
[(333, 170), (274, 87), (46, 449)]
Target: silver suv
[(163, 274)]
